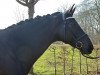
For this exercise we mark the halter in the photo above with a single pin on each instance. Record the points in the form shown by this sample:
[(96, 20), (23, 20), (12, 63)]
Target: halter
[(78, 43)]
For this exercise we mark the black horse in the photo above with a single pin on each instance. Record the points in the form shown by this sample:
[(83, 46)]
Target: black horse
[(22, 44)]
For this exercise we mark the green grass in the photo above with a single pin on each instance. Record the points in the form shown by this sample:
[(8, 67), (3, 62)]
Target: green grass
[(45, 64)]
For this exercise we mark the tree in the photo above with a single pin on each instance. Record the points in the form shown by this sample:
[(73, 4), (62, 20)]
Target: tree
[(89, 18), (30, 4)]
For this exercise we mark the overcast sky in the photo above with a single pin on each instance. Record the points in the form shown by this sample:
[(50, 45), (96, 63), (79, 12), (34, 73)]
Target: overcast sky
[(10, 8)]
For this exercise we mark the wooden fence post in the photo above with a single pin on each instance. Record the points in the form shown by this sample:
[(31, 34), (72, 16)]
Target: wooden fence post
[(64, 59), (72, 61), (80, 62)]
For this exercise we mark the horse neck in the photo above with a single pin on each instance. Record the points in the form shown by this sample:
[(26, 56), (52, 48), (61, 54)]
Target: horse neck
[(33, 43)]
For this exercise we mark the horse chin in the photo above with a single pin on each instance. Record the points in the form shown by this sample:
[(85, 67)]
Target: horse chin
[(85, 51), (87, 55)]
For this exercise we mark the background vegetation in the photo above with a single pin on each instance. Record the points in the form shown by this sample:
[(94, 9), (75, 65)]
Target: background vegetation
[(64, 55)]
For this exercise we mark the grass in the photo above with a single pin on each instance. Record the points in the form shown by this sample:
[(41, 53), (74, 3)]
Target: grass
[(45, 64)]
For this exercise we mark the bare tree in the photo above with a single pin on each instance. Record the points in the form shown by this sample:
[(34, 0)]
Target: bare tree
[(89, 18), (19, 15), (30, 4)]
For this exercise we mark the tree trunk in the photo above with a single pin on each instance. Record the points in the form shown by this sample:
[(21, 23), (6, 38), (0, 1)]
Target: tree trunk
[(31, 11)]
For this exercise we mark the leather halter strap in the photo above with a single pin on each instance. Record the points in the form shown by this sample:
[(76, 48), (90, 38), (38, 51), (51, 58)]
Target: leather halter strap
[(78, 43), (69, 18)]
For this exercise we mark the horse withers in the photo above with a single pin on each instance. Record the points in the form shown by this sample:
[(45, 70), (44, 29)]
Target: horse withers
[(23, 43)]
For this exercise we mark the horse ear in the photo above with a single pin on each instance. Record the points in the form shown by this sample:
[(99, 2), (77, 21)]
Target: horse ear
[(73, 10), (69, 12)]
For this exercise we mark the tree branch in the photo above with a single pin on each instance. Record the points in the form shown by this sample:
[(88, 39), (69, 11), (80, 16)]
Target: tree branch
[(21, 3), (33, 1), (26, 1), (36, 1)]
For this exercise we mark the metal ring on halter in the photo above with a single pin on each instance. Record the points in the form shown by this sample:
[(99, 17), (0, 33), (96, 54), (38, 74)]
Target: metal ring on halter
[(79, 44)]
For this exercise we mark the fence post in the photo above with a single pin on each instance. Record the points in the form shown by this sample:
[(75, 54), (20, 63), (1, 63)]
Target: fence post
[(97, 61), (54, 52), (64, 59), (55, 60), (80, 62), (87, 65), (72, 61)]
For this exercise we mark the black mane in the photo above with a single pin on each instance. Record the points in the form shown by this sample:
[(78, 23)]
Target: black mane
[(37, 19)]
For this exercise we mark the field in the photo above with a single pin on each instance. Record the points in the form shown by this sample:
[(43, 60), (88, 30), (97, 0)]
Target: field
[(63, 59)]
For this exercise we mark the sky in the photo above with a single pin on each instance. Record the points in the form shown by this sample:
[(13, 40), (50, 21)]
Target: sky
[(11, 12)]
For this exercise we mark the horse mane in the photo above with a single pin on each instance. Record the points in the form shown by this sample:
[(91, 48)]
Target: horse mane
[(38, 19)]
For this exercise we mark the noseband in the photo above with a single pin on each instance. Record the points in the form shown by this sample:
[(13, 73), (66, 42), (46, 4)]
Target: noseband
[(79, 44)]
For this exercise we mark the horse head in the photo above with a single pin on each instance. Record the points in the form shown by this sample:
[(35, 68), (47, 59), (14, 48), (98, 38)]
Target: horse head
[(71, 33)]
